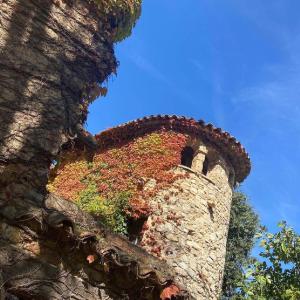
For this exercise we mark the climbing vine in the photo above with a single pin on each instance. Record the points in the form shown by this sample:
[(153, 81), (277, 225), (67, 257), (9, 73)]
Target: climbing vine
[(124, 14), (111, 211), (118, 181)]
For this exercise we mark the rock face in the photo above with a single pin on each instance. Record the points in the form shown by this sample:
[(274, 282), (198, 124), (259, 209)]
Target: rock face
[(187, 224)]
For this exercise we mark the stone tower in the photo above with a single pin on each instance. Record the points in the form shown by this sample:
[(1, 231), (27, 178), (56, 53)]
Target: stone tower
[(188, 221)]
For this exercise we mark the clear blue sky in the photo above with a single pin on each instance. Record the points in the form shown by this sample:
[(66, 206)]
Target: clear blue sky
[(233, 63)]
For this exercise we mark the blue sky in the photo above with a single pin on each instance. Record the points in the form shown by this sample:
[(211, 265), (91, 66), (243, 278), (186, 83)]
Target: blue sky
[(233, 63)]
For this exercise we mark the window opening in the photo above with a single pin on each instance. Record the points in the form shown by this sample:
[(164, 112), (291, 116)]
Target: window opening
[(187, 156), (205, 166), (135, 229)]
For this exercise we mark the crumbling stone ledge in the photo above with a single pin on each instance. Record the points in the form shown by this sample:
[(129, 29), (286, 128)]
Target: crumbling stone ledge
[(90, 261)]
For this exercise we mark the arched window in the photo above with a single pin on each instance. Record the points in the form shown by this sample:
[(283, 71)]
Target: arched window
[(205, 166), (187, 155)]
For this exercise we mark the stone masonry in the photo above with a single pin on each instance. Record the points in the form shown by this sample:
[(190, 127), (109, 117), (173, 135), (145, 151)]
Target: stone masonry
[(190, 223), (187, 224)]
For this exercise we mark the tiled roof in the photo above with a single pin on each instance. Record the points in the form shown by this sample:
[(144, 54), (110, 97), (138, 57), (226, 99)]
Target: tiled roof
[(124, 266), (230, 148)]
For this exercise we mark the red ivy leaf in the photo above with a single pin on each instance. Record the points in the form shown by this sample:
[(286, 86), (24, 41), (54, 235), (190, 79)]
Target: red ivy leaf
[(91, 258), (169, 291)]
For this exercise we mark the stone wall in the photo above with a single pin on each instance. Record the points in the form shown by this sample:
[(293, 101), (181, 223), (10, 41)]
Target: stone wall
[(51, 55), (189, 224)]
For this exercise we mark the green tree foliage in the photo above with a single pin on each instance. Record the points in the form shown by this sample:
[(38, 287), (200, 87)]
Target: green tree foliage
[(276, 275), (242, 229)]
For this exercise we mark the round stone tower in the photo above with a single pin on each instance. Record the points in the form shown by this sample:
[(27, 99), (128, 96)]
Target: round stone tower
[(188, 222)]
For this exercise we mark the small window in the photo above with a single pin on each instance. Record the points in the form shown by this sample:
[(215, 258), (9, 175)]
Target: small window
[(205, 166), (187, 156)]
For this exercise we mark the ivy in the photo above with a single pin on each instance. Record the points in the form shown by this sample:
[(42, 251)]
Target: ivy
[(110, 212), (101, 185)]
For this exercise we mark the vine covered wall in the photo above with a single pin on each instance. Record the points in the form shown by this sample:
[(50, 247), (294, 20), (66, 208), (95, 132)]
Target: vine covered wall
[(117, 182), (133, 185)]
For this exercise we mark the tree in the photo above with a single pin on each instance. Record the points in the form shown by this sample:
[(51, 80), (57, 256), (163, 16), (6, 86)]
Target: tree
[(276, 274), (242, 228)]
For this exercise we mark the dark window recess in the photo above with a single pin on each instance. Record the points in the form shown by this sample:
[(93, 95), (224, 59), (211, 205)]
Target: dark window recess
[(205, 166), (135, 228), (187, 156), (211, 212)]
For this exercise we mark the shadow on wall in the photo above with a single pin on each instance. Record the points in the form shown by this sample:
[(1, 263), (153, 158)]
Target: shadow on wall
[(40, 94)]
